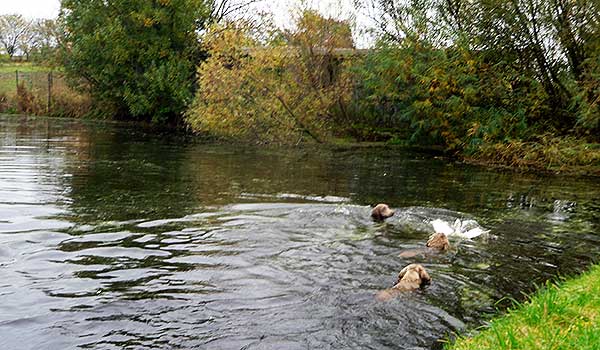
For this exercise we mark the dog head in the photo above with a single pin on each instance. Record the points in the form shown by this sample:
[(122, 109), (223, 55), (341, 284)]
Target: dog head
[(381, 212), (411, 277), (438, 241)]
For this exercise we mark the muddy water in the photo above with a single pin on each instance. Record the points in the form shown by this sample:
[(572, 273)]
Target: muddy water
[(114, 238)]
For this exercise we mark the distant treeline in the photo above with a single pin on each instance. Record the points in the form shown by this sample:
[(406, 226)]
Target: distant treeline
[(25, 40)]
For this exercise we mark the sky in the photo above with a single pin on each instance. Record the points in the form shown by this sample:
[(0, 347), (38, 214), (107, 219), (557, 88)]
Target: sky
[(30, 8), (342, 9), (49, 8)]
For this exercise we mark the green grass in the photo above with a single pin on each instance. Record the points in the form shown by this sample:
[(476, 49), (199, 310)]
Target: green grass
[(25, 67), (34, 76), (34, 99), (564, 316)]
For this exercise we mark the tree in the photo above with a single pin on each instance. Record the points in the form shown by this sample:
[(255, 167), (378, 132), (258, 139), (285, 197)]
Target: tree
[(284, 91), (551, 42), (12, 30), (314, 30), (221, 10), (41, 40), (138, 57), (33, 38)]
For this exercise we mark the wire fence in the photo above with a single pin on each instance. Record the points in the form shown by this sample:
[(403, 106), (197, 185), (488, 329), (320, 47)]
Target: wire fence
[(43, 86)]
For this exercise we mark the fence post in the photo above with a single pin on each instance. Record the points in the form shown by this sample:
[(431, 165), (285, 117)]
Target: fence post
[(17, 79), (49, 92)]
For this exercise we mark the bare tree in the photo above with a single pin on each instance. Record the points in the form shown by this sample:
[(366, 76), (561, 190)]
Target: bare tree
[(422, 21), (28, 41), (225, 9), (42, 39), (12, 29)]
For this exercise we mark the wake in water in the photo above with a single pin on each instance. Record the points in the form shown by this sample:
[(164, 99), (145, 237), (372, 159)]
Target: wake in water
[(451, 223), (460, 228)]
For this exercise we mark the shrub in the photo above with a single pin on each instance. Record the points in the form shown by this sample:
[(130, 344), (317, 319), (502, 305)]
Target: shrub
[(27, 103), (269, 93), (450, 97), (4, 103), (72, 104)]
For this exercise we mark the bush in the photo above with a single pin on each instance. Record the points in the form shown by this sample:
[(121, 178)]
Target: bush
[(271, 93), (72, 104), (27, 103), (449, 97)]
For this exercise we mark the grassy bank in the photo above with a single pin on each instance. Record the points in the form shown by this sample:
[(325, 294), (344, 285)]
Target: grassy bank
[(41, 90), (563, 316), (547, 154)]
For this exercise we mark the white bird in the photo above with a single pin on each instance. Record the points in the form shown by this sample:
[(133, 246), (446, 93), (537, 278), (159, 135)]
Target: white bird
[(441, 226), (465, 229)]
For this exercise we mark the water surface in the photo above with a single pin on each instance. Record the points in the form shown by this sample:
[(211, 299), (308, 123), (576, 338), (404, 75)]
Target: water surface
[(114, 238)]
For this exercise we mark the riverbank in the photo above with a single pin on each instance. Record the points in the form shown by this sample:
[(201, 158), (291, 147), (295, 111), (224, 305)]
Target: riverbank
[(552, 155), (559, 316), (29, 88), (548, 153)]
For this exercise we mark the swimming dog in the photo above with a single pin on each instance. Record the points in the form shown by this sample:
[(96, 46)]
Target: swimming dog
[(381, 212), (438, 241), (410, 278)]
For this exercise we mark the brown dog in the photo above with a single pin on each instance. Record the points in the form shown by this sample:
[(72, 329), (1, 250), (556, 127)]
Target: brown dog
[(438, 241), (381, 212), (410, 278)]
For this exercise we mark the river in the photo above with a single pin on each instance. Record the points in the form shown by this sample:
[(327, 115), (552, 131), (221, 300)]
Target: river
[(116, 238)]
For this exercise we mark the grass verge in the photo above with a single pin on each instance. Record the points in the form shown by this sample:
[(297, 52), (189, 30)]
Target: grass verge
[(560, 316)]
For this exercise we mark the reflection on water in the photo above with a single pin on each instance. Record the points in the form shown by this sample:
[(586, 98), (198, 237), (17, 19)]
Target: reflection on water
[(112, 238)]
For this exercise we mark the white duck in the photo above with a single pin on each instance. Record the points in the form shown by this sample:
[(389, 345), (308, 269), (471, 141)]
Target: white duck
[(465, 229)]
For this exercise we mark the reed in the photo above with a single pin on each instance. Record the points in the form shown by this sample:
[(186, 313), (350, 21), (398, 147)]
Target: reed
[(547, 152)]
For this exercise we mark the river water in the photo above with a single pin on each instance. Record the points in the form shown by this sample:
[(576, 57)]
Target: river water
[(114, 238)]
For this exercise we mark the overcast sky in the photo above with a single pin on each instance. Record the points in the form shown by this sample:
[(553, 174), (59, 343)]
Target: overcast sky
[(30, 8), (342, 9), (49, 8)]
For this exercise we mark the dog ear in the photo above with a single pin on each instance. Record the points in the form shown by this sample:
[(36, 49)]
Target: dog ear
[(425, 279), (402, 272), (446, 245), (376, 214)]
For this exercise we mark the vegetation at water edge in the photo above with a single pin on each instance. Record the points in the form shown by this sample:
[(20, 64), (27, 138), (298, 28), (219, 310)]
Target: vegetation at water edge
[(559, 316)]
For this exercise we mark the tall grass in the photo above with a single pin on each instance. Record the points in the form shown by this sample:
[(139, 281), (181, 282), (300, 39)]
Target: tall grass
[(560, 316), (31, 94), (547, 152)]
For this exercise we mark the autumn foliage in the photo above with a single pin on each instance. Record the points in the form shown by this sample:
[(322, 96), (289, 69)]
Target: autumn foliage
[(285, 90)]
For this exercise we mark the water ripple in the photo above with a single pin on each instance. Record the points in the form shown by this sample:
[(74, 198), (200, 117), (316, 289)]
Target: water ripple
[(111, 238)]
